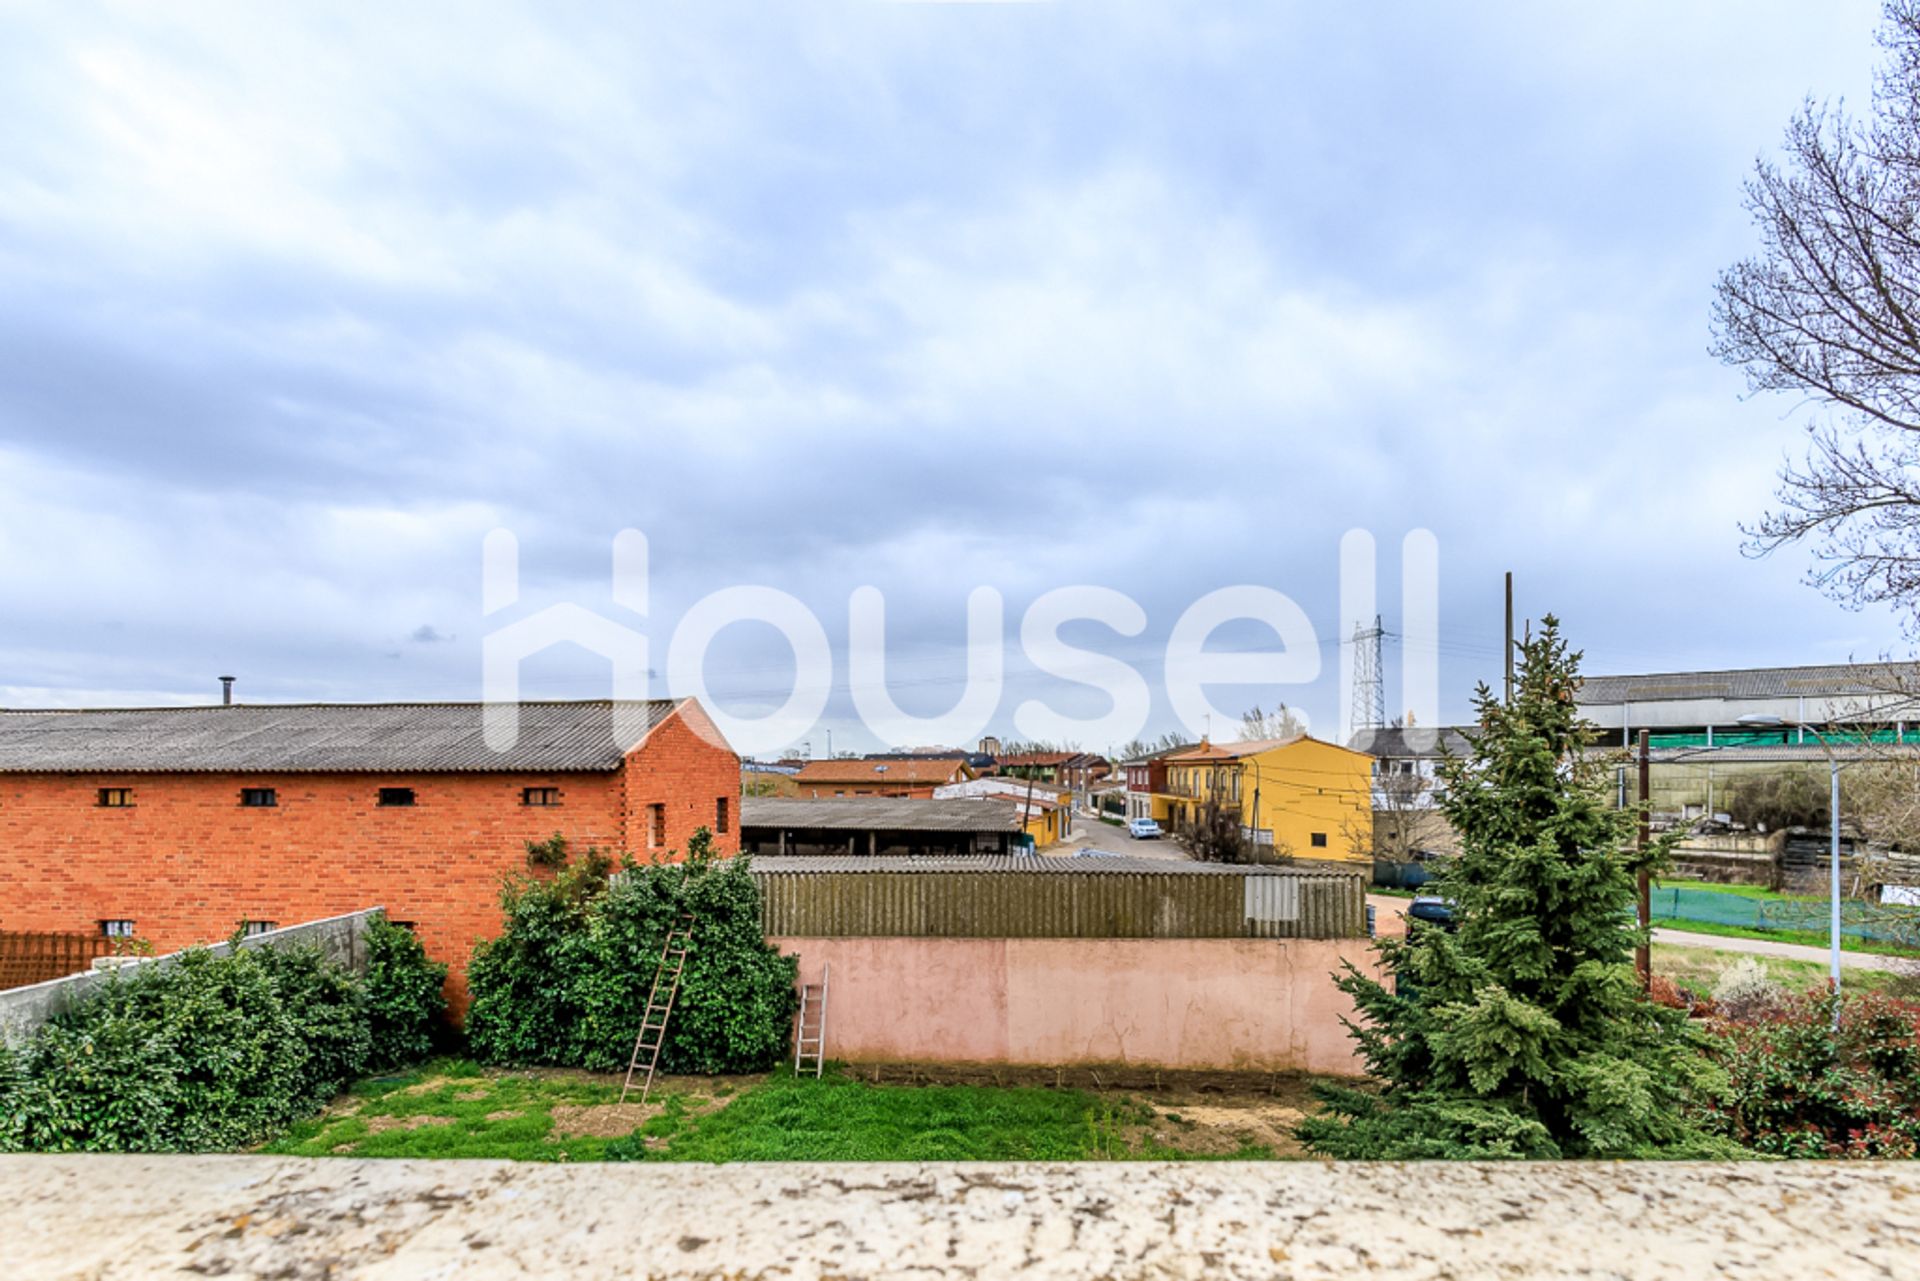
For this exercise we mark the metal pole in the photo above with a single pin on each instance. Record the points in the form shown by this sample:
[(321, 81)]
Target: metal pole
[(1643, 892), (1833, 921), (1509, 637)]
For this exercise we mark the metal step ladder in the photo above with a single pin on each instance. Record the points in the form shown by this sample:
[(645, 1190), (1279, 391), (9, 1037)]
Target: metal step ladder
[(810, 1029), (666, 986)]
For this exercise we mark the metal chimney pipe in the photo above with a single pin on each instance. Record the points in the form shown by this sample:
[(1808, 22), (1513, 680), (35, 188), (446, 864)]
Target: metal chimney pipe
[(226, 691)]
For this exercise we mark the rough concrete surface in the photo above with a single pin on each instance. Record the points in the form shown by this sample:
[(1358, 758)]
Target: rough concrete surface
[(113, 1217)]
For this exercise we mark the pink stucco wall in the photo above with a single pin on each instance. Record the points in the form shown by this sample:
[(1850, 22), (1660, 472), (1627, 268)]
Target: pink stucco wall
[(1267, 1004)]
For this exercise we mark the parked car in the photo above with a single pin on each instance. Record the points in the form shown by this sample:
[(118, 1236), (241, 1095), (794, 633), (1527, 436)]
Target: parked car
[(1434, 910), (1143, 829)]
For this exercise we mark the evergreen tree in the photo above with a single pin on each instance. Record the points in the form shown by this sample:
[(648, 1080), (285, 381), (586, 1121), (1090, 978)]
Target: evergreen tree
[(1525, 1033)]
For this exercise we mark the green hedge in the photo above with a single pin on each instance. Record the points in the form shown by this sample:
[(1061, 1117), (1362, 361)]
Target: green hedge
[(567, 981), (215, 1052)]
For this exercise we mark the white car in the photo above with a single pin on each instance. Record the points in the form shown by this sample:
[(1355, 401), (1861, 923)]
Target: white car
[(1143, 829)]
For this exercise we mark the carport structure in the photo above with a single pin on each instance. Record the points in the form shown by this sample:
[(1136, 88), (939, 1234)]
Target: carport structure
[(874, 825)]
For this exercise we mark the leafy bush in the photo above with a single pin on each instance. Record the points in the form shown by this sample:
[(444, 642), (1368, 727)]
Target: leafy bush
[(211, 1052), (568, 979), (406, 997), (1798, 1089)]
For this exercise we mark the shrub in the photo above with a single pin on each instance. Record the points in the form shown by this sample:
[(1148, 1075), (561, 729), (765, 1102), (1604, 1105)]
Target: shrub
[(567, 980), (1799, 1089), (211, 1052), (1745, 990), (406, 997)]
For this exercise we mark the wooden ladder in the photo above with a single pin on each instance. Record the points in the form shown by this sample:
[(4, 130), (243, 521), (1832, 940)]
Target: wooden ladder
[(666, 986), (810, 1037)]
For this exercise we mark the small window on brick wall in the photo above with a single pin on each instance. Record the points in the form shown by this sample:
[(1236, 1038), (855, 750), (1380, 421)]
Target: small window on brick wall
[(1319, 840), (656, 826), (117, 929), (396, 796), (116, 798), (539, 796), (251, 928), (720, 808), (259, 798)]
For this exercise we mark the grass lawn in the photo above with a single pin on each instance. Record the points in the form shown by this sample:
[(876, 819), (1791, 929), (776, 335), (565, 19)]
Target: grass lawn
[(1699, 968), (455, 1108), (1808, 938), (1739, 891)]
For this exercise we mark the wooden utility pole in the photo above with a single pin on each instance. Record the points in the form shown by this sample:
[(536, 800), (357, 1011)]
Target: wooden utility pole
[(1509, 649), (1643, 955)]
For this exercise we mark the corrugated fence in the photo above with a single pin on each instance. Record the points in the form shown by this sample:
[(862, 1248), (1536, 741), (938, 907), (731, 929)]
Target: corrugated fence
[(834, 901)]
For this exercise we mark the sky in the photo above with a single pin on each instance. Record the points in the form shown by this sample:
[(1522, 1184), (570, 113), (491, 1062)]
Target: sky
[(298, 303)]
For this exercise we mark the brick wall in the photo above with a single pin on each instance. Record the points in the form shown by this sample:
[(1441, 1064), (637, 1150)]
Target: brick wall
[(187, 861), (686, 768)]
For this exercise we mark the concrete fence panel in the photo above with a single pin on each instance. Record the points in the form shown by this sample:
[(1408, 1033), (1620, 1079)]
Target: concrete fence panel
[(341, 939), (1244, 1004)]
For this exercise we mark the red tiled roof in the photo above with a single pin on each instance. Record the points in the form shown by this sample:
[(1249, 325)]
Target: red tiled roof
[(891, 770)]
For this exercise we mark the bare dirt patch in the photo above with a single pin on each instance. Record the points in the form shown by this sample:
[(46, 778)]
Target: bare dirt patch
[(1228, 1126), (381, 1124), (601, 1120)]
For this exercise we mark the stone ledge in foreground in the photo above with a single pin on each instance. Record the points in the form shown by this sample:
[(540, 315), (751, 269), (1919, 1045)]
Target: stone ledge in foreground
[(108, 1217)]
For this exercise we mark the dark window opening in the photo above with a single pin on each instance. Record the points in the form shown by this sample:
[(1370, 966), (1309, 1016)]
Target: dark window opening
[(1318, 839), (117, 929), (539, 796), (259, 798), (116, 798), (396, 796), (250, 928), (408, 926), (720, 816), (656, 826)]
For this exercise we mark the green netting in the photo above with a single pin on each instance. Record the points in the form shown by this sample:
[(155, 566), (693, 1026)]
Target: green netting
[(1870, 921), (1771, 737), (1687, 904)]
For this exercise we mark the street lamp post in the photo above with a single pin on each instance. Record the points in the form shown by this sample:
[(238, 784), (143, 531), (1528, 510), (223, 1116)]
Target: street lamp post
[(1833, 847)]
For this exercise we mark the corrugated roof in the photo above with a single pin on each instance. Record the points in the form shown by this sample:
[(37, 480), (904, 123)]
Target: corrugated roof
[(346, 738), (1831, 680), (876, 813), (893, 769), (1058, 864), (1395, 743)]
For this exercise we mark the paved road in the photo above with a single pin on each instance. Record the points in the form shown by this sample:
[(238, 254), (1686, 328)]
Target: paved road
[(1091, 833), (1785, 951)]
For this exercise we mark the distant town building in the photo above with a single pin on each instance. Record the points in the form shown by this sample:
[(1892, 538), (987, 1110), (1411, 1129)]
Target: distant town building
[(1705, 709), (1075, 770), (1298, 795), (898, 776)]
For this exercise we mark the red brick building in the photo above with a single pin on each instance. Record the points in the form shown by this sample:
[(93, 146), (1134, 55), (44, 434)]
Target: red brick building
[(179, 823)]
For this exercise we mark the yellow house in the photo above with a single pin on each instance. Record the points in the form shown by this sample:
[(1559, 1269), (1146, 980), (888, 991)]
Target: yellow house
[(1300, 796)]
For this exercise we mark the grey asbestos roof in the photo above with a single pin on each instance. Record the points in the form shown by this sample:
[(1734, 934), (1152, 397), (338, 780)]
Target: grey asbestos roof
[(1063, 865), (353, 738), (1833, 680), (1392, 743), (877, 813)]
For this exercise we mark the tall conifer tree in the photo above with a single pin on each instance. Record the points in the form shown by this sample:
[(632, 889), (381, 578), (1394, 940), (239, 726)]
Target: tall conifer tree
[(1524, 1033)]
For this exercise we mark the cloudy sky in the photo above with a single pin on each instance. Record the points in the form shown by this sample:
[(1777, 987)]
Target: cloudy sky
[(298, 302)]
